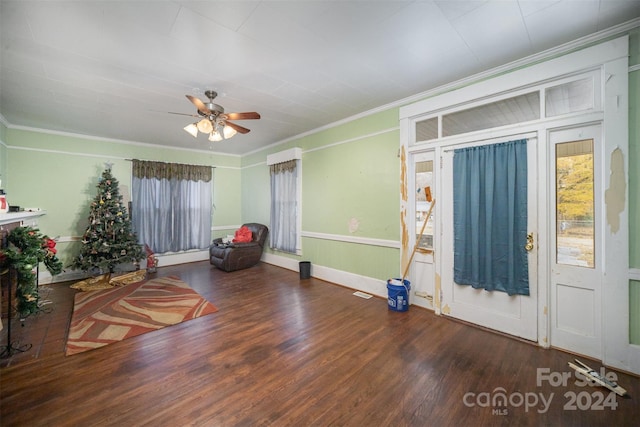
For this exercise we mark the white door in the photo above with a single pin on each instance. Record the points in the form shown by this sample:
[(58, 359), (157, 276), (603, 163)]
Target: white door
[(576, 243), (512, 314)]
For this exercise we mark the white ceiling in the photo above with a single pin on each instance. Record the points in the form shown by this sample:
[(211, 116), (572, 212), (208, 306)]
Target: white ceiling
[(115, 69)]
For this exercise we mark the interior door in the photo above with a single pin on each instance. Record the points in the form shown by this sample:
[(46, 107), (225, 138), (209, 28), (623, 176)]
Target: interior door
[(575, 247), (512, 314)]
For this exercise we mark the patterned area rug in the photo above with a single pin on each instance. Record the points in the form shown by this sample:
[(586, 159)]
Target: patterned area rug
[(106, 316)]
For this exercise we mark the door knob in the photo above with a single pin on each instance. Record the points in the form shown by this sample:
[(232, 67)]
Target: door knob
[(529, 246)]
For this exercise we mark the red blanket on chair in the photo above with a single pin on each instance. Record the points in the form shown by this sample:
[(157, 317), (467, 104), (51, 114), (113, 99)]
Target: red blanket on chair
[(243, 235)]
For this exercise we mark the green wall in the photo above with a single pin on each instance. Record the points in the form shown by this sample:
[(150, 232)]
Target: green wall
[(350, 174), (226, 199), (59, 174), (3, 155), (256, 193)]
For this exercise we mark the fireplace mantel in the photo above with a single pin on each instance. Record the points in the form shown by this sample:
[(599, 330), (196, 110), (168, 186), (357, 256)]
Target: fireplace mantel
[(11, 217)]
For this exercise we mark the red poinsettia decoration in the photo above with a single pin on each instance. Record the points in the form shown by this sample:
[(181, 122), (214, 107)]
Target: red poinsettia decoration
[(50, 246)]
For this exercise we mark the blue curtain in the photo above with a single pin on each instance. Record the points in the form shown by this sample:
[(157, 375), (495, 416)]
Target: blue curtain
[(490, 217)]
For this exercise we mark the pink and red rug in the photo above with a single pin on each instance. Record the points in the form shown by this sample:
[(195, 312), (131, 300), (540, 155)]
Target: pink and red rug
[(107, 316)]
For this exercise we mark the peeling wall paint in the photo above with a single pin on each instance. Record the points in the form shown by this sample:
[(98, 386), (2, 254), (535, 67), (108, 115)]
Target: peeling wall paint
[(404, 193), (405, 233), (614, 196), (437, 295), (353, 225)]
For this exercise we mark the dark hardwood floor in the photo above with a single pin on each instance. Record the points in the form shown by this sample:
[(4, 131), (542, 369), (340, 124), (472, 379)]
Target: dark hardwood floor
[(286, 352)]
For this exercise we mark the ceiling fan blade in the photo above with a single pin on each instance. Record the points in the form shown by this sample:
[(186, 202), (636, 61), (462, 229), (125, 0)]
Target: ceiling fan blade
[(238, 128), (184, 114), (243, 116), (199, 105)]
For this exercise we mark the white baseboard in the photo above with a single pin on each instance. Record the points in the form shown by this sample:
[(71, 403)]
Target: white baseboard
[(349, 280), (44, 277), (182, 257), (281, 261)]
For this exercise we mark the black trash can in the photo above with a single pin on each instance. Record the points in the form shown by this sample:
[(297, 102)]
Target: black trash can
[(305, 269)]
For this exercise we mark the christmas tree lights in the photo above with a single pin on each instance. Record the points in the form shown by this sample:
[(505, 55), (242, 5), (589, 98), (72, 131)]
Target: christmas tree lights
[(108, 240)]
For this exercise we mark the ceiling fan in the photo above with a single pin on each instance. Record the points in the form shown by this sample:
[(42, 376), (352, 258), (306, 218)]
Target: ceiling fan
[(215, 121)]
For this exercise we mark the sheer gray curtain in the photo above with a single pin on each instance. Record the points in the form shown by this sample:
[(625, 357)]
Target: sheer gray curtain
[(171, 208), (283, 234)]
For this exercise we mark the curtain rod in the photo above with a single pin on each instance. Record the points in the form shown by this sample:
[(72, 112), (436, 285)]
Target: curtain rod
[(130, 160), (488, 141)]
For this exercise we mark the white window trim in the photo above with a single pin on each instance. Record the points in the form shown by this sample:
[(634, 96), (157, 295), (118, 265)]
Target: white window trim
[(284, 156)]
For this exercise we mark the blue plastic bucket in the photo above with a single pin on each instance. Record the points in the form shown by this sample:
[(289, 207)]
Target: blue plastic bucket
[(398, 299)]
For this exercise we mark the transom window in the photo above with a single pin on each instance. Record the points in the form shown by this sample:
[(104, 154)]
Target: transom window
[(574, 95)]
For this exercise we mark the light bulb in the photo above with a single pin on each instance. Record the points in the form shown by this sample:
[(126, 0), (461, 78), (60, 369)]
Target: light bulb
[(192, 129), (205, 126), (228, 132), (215, 136)]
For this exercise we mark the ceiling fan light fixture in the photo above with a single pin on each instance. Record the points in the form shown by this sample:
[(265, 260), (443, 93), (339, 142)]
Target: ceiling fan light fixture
[(215, 136), (228, 132), (192, 129), (212, 119), (205, 126)]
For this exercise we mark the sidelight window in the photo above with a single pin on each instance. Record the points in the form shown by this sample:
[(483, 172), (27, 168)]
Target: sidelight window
[(575, 232), (424, 185)]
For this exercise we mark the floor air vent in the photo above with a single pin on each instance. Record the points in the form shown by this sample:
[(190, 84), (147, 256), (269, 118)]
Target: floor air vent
[(362, 295)]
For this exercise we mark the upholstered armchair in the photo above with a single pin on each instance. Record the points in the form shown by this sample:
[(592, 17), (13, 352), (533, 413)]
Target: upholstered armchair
[(236, 256)]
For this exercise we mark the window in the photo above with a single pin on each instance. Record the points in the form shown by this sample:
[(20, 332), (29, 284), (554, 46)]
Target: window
[(285, 177), (427, 130), (424, 182), (575, 233), (171, 209), (521, 108), (570, 97)]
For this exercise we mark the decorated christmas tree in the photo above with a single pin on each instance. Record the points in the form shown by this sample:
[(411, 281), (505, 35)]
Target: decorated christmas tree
[(109, 240)]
